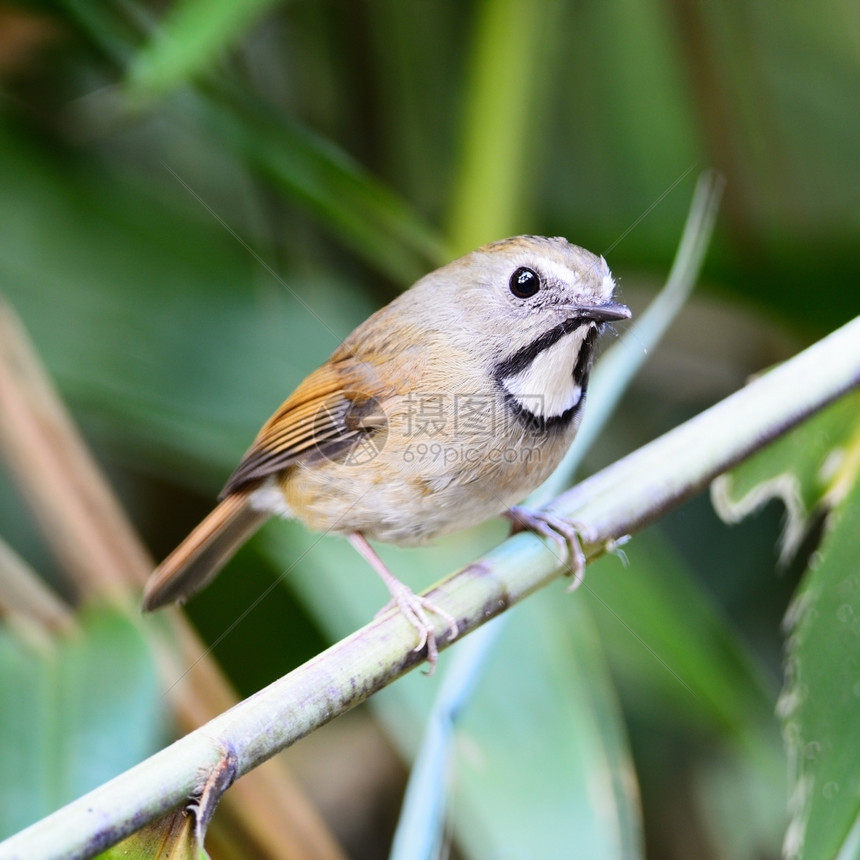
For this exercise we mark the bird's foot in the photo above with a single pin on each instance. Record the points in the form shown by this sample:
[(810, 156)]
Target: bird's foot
[(413, 607), (416, 609), (564, 533)]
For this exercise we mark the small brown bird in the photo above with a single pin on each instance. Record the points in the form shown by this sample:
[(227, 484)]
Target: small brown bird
[(443, 409)]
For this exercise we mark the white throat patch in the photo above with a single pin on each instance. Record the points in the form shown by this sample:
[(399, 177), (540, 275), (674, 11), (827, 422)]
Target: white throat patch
[(546, 387)]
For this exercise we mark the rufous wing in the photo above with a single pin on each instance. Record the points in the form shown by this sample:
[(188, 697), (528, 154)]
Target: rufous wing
[(326, 416)]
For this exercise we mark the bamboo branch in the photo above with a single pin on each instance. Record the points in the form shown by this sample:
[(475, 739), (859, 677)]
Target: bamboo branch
[(612, 503)]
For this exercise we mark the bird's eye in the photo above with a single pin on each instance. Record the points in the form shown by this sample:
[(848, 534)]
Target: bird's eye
[(524, 283)]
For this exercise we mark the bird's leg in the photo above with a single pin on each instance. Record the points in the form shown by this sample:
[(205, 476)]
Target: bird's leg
[(566, 535), (413, 606)]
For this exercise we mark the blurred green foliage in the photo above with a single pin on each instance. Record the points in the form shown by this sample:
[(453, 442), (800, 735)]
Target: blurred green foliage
[(74, 713), (198, 200), (820, 704)]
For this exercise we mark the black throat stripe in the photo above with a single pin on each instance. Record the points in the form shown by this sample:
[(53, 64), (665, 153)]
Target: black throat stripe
[(521, 359), (540, 423), (585, 358)]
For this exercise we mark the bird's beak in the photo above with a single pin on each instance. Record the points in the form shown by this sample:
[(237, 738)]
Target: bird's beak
[(608, 312)]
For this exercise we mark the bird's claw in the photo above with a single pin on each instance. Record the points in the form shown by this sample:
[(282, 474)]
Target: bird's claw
[(415, 609), (564, 533)]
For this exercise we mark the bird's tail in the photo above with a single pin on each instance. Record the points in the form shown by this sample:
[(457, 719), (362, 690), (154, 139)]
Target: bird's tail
[(204, 552)]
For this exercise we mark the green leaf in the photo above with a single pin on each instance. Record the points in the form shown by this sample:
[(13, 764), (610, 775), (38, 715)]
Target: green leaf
[(192, 36), (369, 217), (85, 708), (670, 646), (815, 470), (821, 701), (802, 469), (740, 799), (545, 719), (170, 837), (504, 115)]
